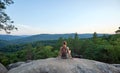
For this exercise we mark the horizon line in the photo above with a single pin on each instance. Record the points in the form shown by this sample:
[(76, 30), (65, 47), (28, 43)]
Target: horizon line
[(52, 33)]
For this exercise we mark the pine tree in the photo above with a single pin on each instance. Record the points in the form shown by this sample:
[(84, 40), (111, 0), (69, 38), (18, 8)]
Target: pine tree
[(5, 21)]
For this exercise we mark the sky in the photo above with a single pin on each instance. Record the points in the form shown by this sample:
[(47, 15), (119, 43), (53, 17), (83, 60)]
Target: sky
[(64, 16)]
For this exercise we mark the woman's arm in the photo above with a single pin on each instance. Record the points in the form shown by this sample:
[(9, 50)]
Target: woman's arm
[(69, 52)]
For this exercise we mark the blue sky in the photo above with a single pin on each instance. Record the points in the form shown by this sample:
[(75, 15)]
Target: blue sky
[(64, 16)]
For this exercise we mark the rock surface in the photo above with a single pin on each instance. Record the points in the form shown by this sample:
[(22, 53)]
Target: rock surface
[(13, 65), (3, 69), (116, 65), (55, 65)]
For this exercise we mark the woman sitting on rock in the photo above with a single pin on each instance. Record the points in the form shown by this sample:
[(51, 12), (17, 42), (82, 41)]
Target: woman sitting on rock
[(64, 51)]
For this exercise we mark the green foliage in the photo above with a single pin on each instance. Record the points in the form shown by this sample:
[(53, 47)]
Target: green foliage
[(105, 49), (73, 43), (3, 59), (59, 43)]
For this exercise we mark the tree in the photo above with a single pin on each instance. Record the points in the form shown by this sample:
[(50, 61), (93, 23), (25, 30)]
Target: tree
[(76, 45), (76, 36), (59, 43), (29, 54), (5, 21), (118, 31), (94, 35)]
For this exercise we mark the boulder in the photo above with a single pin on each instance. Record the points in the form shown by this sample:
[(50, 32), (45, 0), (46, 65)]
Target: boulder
[(13, 65), (3, 69), (56, 65), (116, 65), (28, 61)]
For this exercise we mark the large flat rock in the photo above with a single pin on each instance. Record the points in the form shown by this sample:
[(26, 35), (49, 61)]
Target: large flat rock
[(55, 65)]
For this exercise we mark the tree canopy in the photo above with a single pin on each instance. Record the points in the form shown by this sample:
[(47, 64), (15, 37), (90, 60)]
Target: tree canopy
[(117, 30), (6, 23)]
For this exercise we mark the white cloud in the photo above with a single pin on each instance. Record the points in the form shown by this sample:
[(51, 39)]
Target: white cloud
[(26, 30)]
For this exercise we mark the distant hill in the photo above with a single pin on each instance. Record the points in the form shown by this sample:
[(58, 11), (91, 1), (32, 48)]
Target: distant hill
[(10, 37), (6, 40), (43, 37), (15, 39), (39, 37)]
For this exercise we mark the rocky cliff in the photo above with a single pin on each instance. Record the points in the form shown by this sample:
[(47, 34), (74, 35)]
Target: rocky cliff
[(56, 65), (3, 69)]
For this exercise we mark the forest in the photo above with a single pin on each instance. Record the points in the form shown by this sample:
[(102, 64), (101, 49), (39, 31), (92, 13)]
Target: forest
[(105, 49)]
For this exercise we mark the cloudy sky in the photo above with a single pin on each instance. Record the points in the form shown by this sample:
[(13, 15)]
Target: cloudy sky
[(64, 16)]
